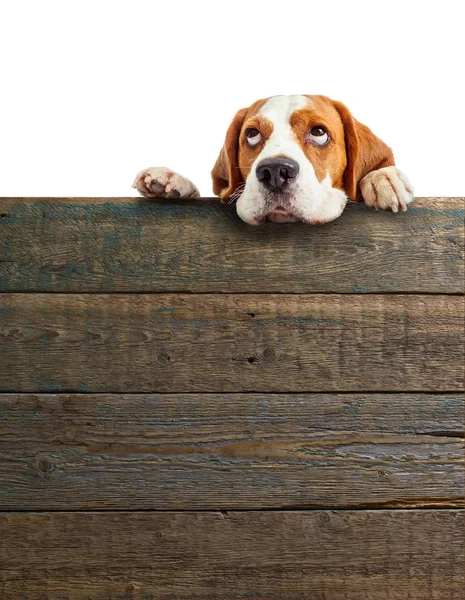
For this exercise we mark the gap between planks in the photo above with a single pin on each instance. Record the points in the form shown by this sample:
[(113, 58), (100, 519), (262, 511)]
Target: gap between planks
[(219, 293)]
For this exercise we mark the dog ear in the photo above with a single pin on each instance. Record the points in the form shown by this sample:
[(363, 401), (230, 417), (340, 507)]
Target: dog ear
[(226, 175), (365, 152)]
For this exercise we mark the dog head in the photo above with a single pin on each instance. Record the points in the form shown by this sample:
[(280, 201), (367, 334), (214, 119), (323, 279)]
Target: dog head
[(295, 158)]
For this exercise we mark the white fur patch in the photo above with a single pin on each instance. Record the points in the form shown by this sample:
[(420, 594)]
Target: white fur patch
[(306, 199), (387, 188), (160, 182)]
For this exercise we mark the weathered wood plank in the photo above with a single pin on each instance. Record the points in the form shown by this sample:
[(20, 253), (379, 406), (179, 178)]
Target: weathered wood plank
[(319, 555), (230, 343), (130, 244), (230, 451)]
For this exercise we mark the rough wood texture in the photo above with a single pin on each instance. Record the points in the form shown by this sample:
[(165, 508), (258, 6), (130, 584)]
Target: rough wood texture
[(267, 331), (130, 244), (317, 555), (230, 343), (230, 451)]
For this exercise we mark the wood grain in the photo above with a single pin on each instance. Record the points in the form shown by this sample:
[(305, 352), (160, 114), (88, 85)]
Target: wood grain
[(230, 436), (130, 244), (319, 555), (229, 451), (230, 343)]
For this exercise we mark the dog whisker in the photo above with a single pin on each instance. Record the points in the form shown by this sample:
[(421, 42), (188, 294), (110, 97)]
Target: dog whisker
[(237, 193)]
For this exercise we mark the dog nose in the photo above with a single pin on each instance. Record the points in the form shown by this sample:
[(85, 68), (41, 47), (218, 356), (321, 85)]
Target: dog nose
[(275, 173)]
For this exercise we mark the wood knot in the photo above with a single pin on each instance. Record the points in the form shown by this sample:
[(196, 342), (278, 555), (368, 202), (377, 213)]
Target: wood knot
[(44, 467), (92, 335), (163, 357), (49, 335), (137, 336), (269, 354)]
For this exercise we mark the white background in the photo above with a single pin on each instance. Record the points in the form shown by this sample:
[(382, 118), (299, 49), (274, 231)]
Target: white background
[(93, 91)]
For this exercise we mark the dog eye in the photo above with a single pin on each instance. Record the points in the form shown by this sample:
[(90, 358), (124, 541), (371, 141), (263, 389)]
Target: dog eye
[(253, 136), (318, 135)]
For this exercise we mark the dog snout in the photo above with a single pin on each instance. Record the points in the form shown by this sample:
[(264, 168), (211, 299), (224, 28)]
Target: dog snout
[(277, 173)]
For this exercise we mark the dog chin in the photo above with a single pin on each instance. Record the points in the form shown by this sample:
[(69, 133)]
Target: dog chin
[(281, 215), (287, 210), (277, 215)]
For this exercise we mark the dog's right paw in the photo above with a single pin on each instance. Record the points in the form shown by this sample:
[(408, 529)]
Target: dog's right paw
[(160, 182), (387, 188)]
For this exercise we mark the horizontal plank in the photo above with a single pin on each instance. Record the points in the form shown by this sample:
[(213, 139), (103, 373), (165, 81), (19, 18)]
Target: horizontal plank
[(131, 244), (342, 555), (230, 343), (230, 451)]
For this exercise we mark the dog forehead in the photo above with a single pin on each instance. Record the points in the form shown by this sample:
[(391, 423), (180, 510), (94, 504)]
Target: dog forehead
[(279, 109)]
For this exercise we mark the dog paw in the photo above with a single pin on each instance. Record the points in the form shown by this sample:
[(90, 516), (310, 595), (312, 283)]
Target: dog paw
[(387, 188), (160, 182)]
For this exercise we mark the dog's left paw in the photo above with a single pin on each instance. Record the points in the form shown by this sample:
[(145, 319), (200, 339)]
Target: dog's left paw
[(387, 188)]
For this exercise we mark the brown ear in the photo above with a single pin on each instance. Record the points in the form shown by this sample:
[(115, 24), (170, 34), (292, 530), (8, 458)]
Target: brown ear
[(365, 152), (226, 174)]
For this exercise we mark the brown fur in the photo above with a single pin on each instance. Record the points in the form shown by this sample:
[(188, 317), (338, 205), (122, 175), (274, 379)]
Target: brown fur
[(365, 152), (225, 174), (246, 153)]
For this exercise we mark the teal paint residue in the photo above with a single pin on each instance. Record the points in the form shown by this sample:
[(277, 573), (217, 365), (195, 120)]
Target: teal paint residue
[(5, 249), (352, 408), (50, 385), (44, 276), (131, 211), (113, 240), (134, 235), (454, 403), (11, 218), (69, 271), (129, 214), (142, 209), (386, 284), (126, 222), (194, 405), (456, 215), (7, 267), (83, 388)]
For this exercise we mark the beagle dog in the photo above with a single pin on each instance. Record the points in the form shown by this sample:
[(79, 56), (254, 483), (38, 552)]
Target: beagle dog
[(294, 158)]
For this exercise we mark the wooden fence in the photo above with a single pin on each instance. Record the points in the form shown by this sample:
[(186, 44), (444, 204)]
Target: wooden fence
[(194, 408)]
